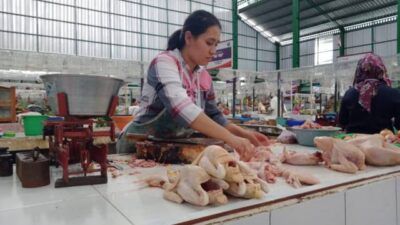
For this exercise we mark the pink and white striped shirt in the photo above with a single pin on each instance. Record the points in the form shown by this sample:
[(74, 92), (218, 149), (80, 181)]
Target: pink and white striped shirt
[(171, 85)]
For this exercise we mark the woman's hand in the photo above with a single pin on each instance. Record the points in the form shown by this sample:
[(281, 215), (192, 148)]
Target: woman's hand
[(258, 139), (243, 146)]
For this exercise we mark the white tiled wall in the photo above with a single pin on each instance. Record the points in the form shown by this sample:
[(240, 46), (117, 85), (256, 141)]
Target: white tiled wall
[(376, 203), (372, 204), (398, 199), (257, 219), (325, 210)]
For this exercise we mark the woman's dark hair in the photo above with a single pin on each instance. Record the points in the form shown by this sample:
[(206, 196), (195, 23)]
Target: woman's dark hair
[(197, 23)]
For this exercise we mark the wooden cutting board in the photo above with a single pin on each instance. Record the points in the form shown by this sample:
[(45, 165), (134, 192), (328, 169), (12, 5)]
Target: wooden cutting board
[(173, 151)]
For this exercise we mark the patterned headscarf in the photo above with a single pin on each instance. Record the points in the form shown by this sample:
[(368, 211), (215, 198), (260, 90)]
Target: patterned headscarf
[(370, 73)]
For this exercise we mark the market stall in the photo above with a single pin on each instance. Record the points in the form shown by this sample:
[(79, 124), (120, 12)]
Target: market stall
[(339, 199)]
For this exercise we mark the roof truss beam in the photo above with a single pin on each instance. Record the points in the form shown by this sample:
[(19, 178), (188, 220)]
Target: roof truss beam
[(332, 10), (318, 8), (352, 14), (347, 25), (316, 14)]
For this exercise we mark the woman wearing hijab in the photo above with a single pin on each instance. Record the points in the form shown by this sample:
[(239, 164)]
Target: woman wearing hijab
[(371, 105)]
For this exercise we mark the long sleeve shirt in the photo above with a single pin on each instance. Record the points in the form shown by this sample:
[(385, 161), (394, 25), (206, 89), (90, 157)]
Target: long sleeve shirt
[(184, 94), (385, 111)]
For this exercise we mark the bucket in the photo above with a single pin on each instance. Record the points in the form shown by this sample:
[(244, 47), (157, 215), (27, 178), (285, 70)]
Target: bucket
[(33, 124)]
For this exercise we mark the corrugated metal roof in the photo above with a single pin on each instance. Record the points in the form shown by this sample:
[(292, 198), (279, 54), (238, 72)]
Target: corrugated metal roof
[(316, 16)]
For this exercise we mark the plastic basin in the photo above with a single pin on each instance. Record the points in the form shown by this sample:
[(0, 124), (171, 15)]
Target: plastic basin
[(306, 136), (33, 124), (293, 122)]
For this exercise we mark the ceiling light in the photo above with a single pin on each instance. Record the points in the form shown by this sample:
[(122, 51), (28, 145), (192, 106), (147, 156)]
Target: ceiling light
[(244, 17), (259, 28), (251, 22)]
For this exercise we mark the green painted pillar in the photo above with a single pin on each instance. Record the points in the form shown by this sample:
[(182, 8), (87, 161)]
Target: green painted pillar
[(277, 55), (342, 41), (256, 52), (277, 67), (235, 19), (398, 27), (235, 34), (296, 33), (372, 39), (341, 53)]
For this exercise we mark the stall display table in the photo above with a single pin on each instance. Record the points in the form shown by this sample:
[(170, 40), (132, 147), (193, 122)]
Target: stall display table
[(367, 197)]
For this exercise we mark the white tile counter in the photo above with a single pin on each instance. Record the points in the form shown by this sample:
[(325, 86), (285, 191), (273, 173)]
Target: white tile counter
[(368, 197)]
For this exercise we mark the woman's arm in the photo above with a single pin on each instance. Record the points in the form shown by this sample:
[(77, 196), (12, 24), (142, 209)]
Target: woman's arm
[(210, 128), (344, 113), (396, 99), (256, 138)]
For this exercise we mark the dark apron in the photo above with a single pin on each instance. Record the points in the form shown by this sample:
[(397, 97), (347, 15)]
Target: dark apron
[(162, 126)]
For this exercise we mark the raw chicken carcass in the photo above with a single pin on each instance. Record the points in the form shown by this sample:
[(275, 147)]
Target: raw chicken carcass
[(251, 187), (269, 172), (297, 178), (340, 155), (300, 158), (377, 151), (192, 184), (265, 171), (262, 154), (215, 160)]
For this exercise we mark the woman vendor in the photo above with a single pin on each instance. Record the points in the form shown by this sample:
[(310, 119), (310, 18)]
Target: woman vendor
[(178, 96), (371, 105)]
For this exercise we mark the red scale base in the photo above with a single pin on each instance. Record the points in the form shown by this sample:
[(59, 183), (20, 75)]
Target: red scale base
[(72, 141)]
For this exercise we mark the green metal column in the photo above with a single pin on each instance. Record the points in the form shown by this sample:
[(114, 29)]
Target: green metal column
[(341, 53), (342, 41), (234, 50), (235, 34), (372, 38), (277, 55), (398, 27), (257, 51), (278, 66), (296, 33)]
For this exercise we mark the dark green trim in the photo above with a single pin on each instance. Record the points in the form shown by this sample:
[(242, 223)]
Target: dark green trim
[(257, 49), (37, 25), (110, 31), (277, 56), (340, 7), (398, 26), (321, 11), (372, 39), (342, 41), (245, 35), (75, 29), (350, 15), (90, 25), (375, 43), (141, 28), (118, 14), (253, 60), (256, 61), (296, 33), (351, 24), (235, 34)]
